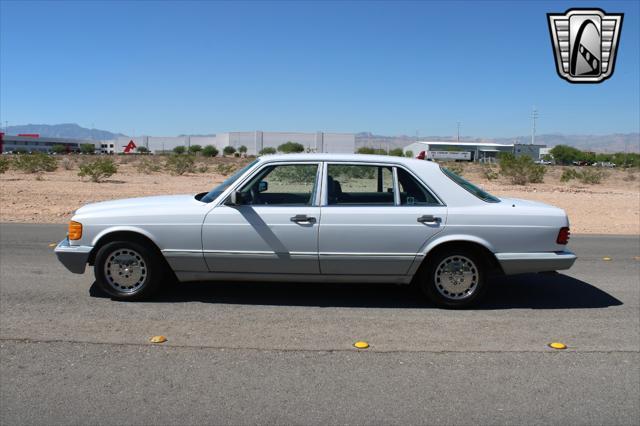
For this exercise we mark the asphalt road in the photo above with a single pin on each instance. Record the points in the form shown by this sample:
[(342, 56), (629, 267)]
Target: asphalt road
[(282, 353)]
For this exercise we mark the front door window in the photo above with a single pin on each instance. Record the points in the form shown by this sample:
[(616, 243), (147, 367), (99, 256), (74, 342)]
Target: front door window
[(291, 185)]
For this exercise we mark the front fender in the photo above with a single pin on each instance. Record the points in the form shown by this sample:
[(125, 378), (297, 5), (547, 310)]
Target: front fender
[(124, 228)]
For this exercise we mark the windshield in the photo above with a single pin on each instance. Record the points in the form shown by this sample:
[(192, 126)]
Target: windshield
[(215, 192), (483, 195)]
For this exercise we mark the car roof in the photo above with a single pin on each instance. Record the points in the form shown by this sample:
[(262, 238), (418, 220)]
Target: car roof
[(347, 158)]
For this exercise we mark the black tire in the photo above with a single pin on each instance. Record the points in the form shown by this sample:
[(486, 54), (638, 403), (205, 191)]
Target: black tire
[(434, 279), (138, 279)]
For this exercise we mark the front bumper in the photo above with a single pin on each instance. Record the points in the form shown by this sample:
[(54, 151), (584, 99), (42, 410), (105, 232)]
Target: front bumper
[(74, 258), (521, 263)]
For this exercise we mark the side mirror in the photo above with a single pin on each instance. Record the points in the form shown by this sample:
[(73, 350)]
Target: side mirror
[(263, 186), (235, 199)]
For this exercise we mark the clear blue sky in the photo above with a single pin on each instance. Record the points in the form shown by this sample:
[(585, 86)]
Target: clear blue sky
[(391, 68)]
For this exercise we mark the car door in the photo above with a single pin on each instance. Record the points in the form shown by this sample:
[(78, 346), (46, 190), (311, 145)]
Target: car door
[(273, 229), (372, 224)]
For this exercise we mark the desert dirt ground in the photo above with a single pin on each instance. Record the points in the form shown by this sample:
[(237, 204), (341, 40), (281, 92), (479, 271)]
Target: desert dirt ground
[(611, 207)]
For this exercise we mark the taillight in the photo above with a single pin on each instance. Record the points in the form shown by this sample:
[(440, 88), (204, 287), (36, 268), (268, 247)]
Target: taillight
[(75, 230), (563, 236)]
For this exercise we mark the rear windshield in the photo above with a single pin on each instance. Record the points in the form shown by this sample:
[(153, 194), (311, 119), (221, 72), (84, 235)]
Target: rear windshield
[(483, 195)]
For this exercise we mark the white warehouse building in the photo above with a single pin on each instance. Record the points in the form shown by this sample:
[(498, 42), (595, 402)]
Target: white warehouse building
[(254, 141), (472, 151)]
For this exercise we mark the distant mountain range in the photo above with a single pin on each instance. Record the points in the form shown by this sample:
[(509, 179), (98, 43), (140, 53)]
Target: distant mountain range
[(616, 142), (67, 130)]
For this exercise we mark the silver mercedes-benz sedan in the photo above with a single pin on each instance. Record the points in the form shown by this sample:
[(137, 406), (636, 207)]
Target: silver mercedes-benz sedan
[(321, 217)]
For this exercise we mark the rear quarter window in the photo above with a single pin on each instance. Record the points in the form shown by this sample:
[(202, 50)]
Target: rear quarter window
[(469, 187)]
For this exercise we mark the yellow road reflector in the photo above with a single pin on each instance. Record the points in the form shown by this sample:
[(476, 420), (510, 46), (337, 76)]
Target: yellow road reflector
[(361, 345), (158, 339), (557, 345), (52, 245), (606, 258)]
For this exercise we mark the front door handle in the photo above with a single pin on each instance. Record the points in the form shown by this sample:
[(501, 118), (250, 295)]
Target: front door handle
[(428, 218), (303, 218)]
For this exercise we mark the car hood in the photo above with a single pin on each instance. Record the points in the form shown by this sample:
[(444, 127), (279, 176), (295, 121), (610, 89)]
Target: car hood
[(150, 203)]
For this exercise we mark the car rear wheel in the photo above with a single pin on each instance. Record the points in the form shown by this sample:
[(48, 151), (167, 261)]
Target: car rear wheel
[(127, 270), (454, 279)]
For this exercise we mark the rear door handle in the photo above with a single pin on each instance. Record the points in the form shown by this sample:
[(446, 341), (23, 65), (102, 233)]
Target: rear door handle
[(302, 218), (428, 218)]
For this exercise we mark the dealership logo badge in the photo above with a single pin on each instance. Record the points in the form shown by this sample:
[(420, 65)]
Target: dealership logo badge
[(585, 42)]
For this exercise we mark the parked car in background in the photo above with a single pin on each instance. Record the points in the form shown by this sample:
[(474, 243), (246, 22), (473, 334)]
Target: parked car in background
[(323, 218)]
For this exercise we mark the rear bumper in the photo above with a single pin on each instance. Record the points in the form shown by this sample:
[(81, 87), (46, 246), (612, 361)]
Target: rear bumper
[(74, 258), (521, 263)]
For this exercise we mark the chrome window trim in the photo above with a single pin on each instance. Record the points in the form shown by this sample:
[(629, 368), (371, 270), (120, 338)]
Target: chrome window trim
[(322, 194), (396, 185), (427, 187), (319, 186)]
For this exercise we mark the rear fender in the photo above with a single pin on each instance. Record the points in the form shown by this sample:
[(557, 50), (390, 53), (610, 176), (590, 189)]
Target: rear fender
[(439, 240)]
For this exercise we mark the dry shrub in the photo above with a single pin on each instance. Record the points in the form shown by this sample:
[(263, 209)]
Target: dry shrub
[(489, 173), (148, 165), (593, 176), (125, 158), (225, 168), (35, 163), (5, 163), (99, 169), (68, 163), (521, 170), (456, 168), (569, 174), (586, 176), (179, 164)]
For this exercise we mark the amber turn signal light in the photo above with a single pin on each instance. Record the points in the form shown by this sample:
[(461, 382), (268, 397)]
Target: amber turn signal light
[(563, 236), (75, 230)]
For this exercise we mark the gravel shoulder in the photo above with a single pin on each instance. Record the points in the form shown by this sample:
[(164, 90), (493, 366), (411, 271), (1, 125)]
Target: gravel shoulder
[(610, 207)]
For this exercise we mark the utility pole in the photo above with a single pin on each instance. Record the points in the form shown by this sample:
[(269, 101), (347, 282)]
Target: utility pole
[(458, 133), (534, 117), (625, 152)]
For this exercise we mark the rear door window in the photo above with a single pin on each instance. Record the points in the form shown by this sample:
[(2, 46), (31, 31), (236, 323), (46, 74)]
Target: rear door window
[(349, 184)]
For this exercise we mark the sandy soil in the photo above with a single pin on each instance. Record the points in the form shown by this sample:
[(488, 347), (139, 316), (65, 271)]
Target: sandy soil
[(612, 207)]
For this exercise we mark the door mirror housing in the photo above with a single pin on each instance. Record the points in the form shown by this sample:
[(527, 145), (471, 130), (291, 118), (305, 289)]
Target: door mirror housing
[(235, 199), (263, 186)]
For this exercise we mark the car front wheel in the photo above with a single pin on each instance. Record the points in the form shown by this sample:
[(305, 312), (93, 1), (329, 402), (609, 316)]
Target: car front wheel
[(454, 279), (127, 270)]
